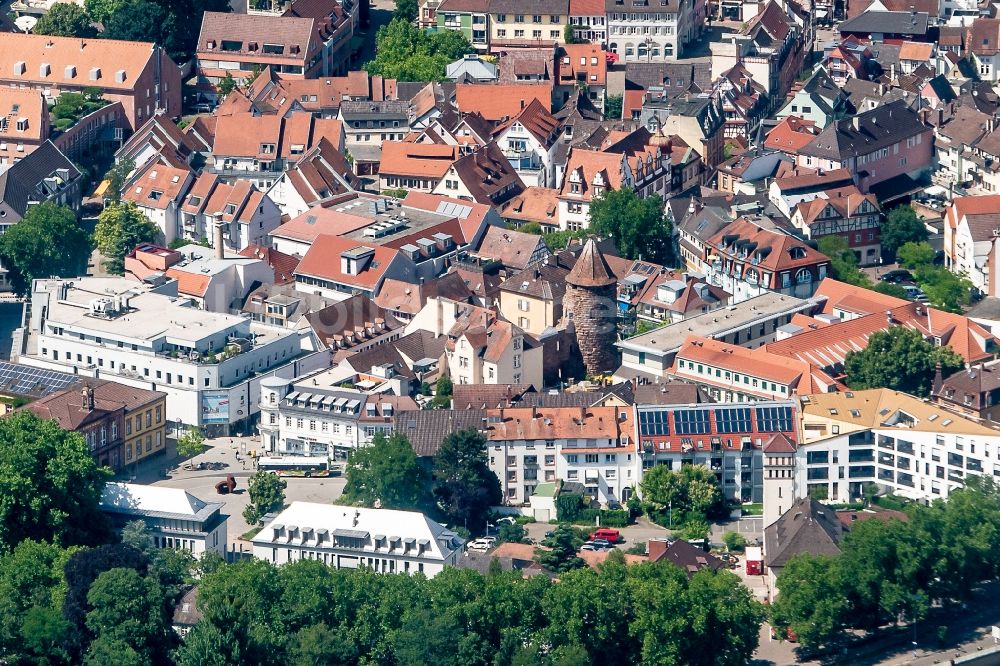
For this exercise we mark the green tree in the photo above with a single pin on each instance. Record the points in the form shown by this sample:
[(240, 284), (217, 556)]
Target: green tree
[(464, 486), (47, 241), (639, 226), (899, 358), (387, 473), (914, 255), (843, 261), (531, 228), (120, 228), (406, 10), (65, 20), (191, 443), (443, 389), (226, 85), (901, 226), (734, 541), (172, 23), (102, 10), (690, 493), (267, 494), (945, 290), (890, 289), (319, 645), (569, 34), (117, 176), (32, 589), (136, 534), (563, 545), (127, 608), (511, 533), (558, 240), (50, 486), (811, 602), (105, 651), (406, 53), (613, 105)]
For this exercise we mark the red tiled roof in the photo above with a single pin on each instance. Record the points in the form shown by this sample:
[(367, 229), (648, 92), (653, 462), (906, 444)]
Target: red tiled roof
[(283, 264), (416, 159), (323, 260), (496, 102)]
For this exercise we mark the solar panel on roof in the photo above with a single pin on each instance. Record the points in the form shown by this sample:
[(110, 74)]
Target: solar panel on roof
[(25, 379)]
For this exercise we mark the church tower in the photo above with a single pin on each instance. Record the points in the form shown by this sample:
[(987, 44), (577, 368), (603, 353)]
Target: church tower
[(589, 304)]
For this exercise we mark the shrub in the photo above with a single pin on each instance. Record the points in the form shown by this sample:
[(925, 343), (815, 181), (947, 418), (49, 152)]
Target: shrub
[(734, 541)]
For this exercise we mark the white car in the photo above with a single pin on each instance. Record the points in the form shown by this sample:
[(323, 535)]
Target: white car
[(509, 520), (484, 543)]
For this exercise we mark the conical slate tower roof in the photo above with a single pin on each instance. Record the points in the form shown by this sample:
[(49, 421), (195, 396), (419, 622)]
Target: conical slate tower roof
[(591, 269)]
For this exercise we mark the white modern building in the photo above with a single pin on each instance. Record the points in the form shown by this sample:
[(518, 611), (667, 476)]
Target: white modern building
[(347, 537), (210, 365), (902, 444), (174, 517)]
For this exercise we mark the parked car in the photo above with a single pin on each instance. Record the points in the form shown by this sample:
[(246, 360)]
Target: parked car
[(482, 543), (897, 276), (915, 293), (601, 543), (610, 535), (589, 546), (509, 520)]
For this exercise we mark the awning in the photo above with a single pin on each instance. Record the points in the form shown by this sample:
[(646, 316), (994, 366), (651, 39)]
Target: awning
[(102, 188)]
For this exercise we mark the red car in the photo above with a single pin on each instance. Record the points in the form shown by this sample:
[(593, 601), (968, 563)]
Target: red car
[(613, 536)]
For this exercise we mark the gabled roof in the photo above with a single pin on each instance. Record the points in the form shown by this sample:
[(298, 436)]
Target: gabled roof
[(512, 248), (323, 260), (587, 166), (534, 204), (893, 23), (536, 119), (417, 159), (866, 132), (488, 175), (357, 317), (402, 296), (499, 101), (72, 62), (25, 181), (984, 37), (807, 527), (245, 34), (282, 264)]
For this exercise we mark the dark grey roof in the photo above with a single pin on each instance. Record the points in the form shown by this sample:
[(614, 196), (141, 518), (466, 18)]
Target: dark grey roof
[(25, 181), (428, 427), (807, 527), (371, 110), (674, 78), (895, 23), (866, 132)]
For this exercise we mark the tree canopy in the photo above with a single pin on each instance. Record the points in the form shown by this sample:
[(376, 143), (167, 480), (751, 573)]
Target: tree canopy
[(900, 359), (174, 24), (65, 20), (900, 226), (649, 614), (890, 570), (267, 494), (639, 226), (406, 53), (50, 486), (47, 241), (681, 496), (386, 473), (120, 228), (464, 486)]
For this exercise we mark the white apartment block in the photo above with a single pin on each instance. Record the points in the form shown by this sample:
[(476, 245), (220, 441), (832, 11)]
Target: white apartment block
[(347, 537), (593, 446), (902, 444), (210, 365)]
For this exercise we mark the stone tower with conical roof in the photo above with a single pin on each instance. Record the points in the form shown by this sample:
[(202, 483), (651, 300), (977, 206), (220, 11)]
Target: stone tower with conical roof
[(589, 304)]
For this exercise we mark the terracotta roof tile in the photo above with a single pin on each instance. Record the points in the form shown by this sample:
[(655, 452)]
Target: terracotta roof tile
[(498, 102), (417, 159)]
